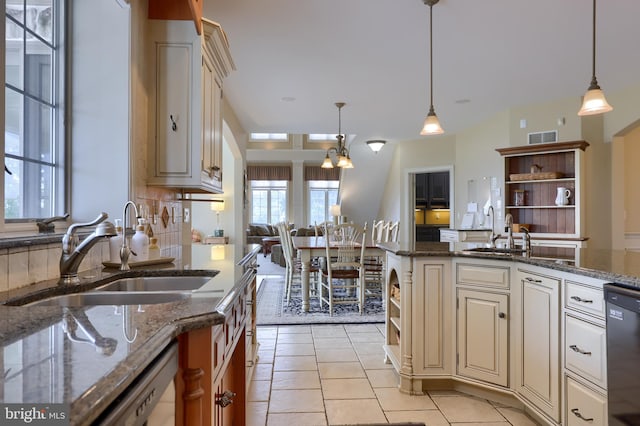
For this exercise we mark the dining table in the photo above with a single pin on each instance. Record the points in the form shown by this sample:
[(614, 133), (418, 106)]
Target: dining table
[(312, 246)]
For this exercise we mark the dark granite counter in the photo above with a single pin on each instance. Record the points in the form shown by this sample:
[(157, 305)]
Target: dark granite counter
[(44, 360), (611, 265)]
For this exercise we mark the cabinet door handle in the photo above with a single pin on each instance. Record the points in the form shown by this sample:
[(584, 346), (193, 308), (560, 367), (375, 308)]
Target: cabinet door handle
[(225, 398), (532, 280), (502, 315), (576, 413), (575, 348), (579, 299), (174, 126)]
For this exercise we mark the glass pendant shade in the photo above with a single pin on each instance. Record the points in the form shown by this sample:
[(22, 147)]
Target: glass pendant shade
[(376, 145), (327, 164), (348, 164), (594, 102), (431, 125)]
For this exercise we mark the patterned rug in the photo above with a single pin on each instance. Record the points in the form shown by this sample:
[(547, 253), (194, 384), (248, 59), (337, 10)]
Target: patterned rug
[(272, 308)]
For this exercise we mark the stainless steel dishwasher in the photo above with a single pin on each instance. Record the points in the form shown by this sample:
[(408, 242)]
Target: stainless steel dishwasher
[(623, 354), (135, 404)]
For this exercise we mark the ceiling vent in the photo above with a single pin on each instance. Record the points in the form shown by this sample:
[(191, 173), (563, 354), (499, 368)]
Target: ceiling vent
[(542, 137)]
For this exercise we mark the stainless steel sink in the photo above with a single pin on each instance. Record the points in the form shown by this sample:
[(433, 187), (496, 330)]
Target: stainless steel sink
[(111, 298), (492, 250), (168, 283)]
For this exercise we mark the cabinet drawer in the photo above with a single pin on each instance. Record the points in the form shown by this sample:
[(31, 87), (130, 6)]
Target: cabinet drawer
[(584, 406), (585, 350), (481, 275), (585, 299)]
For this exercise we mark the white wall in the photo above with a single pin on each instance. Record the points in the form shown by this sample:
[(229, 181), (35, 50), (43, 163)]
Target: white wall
[(100, 109)]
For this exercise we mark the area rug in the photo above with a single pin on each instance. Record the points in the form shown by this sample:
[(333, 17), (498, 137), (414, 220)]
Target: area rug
[(272, 308)]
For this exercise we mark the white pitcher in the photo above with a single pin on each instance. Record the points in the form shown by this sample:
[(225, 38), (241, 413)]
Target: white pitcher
[(562, 199)]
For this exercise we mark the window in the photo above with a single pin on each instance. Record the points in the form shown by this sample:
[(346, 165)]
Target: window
[(322, 195), (268, 201), (33, 147), (269, 137)]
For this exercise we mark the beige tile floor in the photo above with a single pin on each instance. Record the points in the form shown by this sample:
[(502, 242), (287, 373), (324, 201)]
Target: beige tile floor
[(310, 375)]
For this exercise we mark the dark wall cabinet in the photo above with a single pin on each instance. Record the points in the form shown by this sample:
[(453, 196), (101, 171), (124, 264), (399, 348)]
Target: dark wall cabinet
[(432, 190)]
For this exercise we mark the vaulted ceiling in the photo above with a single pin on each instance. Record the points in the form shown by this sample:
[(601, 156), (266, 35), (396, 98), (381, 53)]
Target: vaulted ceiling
[(296, 58)]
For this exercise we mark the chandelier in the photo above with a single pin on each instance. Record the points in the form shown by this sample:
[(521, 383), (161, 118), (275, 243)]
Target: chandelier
[(341, 152)]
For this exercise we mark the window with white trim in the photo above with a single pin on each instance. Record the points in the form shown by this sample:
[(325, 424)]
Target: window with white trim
[(322, 195), (268, 201), (32, 140)]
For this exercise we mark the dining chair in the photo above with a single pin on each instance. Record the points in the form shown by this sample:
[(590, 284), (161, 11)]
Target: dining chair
[(374, 265), (393, 231), (343, 280), (293, 266)]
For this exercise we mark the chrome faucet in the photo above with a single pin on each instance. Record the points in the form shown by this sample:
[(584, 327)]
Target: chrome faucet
[(526, 240), (508, 228), (493, 236), (125, 251), (73, 253)]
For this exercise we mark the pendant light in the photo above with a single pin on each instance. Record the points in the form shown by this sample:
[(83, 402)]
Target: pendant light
[(594, 101), (431, 124), (343, 160)]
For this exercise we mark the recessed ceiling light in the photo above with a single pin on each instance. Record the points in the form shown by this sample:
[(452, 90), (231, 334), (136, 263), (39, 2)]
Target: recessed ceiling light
[(288, 99), (463, 101)]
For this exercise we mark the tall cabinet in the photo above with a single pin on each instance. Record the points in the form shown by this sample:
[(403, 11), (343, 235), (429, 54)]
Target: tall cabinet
[(186, 104), (534, 176)]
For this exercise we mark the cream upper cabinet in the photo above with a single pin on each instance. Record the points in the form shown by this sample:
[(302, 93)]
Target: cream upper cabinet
[(538, 377), (187, 70)]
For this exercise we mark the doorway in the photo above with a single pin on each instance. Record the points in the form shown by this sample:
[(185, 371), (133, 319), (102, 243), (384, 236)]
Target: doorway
[(431, 204)]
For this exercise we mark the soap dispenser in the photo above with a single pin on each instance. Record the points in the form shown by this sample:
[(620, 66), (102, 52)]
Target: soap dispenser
[(115, 243), (140, 243)]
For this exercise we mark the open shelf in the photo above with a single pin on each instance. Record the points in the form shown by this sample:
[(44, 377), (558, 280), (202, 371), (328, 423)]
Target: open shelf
[(568, 206), (559, 180), (394, 302), (396, 322)]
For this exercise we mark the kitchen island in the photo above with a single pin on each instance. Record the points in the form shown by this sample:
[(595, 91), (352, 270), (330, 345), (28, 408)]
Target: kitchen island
[(525, 330), (48, 359)]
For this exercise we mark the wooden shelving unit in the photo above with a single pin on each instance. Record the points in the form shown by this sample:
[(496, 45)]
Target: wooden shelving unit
[(547, 219)]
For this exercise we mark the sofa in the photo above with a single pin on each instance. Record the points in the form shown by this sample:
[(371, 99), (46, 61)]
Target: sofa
[(257, 231)]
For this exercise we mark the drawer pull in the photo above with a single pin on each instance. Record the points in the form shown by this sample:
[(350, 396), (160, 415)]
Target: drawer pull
[(575, 348), (502, 315), (581, 300), (533, 280), (576, 413)]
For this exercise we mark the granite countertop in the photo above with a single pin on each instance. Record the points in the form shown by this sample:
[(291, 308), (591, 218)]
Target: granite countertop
[(617, 266), (45, 361)]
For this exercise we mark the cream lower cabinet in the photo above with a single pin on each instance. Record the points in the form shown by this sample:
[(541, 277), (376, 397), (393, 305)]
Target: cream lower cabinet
[(186, 105), (538, 346), (418, 319), (482, 302), (483, 344)]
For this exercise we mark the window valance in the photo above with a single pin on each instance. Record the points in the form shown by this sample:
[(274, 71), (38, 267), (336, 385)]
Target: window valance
[(318, 173), (269, 173)]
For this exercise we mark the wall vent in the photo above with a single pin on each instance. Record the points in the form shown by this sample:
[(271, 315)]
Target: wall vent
[(542, 137)]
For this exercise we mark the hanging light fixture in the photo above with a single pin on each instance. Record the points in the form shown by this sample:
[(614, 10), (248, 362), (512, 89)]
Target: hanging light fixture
[(431, 124), (594, 101), (376, 144), (343, 160)]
